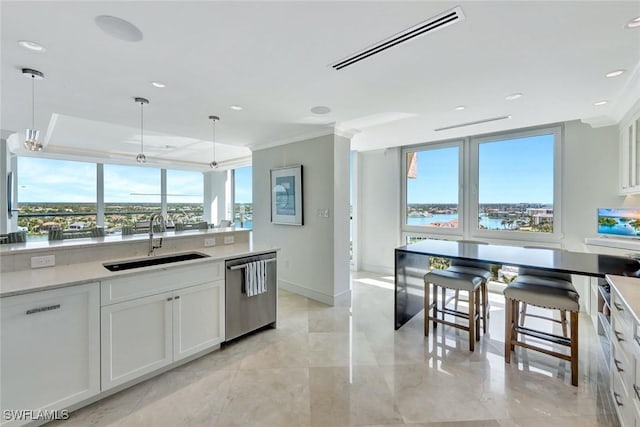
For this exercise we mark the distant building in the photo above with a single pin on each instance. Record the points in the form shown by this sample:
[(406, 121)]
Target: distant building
[(77, 226)]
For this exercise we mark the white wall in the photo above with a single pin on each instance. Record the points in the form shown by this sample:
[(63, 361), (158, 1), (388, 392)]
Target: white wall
[(218, 198), (590, 179), (8, 163), (314, 258), (378, 219)]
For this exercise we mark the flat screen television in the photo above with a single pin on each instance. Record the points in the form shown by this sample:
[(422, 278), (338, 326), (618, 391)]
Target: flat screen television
[(619, 222)]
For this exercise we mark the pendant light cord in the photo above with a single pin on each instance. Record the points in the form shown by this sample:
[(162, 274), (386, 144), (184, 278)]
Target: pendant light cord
[(33, 101), (214, 140), (141, 128)]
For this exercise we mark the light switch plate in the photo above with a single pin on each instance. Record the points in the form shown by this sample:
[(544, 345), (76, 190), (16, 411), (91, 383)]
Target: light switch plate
[(43, 261), (228, 239), (209, 242)]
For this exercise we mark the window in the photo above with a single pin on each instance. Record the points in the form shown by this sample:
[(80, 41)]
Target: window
[(516, 183), (185, 196), (243, 197), (131, 195), (55, 194), (432, 182)]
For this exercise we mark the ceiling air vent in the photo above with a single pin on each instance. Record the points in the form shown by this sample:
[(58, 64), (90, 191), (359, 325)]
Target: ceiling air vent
[(477, 122), (432, 24)]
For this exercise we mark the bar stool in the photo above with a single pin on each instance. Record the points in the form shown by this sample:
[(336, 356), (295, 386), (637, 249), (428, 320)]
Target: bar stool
[(458, 282), (474, 268), (545, 278), (541, 292)]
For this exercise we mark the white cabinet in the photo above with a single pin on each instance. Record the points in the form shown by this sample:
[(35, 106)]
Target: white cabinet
[(198, 318), (625, 360), (142, 335), (136, 338), (630, 155), (50, 343)]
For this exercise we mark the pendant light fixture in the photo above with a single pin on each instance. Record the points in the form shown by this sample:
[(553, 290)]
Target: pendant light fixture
[(213, 163), (31, 137), (141, 158)]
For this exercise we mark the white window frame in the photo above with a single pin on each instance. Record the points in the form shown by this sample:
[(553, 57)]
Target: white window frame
[(433, 231), (473, 231)]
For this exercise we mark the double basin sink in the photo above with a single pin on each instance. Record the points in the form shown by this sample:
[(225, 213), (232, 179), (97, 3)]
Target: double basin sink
[(149, 261)]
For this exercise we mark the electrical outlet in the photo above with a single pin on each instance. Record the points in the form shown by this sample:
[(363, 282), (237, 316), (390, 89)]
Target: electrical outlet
[(323, 213), (43, 261), (228, 239), (209, 242)]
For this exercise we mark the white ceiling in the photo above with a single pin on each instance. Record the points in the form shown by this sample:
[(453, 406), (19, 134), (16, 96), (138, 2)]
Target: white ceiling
[(273, 58)]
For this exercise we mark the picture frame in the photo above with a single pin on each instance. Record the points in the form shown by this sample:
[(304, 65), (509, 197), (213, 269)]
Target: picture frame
[(286, 195)]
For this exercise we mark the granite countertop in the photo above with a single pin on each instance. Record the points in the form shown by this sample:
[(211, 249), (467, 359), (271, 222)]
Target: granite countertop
[(110, 240), (629, 290), (33, 280)]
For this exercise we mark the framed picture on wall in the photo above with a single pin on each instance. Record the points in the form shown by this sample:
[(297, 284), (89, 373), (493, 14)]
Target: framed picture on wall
[(286, 195)]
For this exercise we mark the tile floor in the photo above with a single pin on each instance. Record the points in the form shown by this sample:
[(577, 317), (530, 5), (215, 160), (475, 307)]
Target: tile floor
[(337, 366)]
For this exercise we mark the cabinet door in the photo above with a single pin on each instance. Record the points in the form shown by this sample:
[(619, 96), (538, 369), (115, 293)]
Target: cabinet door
[(198, 318), (136, 338), (50, 341)]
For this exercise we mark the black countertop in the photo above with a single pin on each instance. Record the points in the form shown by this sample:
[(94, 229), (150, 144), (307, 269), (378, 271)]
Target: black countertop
[(587, 264)]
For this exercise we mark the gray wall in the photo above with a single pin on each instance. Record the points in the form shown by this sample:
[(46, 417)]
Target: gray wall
[(314, 259)]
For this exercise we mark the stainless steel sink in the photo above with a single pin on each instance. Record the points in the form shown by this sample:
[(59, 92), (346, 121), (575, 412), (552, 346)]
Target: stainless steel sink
[(156, 260)]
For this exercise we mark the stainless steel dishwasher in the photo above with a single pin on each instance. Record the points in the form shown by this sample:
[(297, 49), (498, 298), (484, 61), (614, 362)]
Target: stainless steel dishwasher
[(244, 314)]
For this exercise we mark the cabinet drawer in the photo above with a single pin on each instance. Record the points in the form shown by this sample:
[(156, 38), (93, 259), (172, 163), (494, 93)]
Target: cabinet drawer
[(154, 282), (620, 312), (624, 365), (623, 404)]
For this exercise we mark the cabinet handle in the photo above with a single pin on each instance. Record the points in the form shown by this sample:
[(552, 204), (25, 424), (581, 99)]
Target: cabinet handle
[(178, 297), (41, 309), (169, 299), (637, 390), (616, 396), (618, 335), (637, 338), (616, 362), (618, 306)]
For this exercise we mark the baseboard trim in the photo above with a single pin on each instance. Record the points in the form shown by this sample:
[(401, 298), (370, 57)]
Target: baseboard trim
[(378, 269), (343, 298)]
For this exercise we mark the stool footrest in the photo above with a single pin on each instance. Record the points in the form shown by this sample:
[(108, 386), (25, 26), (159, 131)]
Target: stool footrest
[(455, 313), (556, 339)]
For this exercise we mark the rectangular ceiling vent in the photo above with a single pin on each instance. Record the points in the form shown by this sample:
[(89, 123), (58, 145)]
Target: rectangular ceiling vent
[(432, 24), (477, 122)]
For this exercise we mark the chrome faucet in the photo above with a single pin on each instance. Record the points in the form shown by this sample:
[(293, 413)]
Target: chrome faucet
[(154, 243)]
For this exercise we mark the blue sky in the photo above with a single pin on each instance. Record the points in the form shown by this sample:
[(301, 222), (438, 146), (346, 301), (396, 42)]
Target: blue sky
[(244, 187), (510, 171), (46, 180)]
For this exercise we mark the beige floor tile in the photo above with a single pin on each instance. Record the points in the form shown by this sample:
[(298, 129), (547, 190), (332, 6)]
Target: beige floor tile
[(344, 397)]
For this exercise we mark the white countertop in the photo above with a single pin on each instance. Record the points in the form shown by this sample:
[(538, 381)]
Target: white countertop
[(45, 245), (629, 290), (32, 280)]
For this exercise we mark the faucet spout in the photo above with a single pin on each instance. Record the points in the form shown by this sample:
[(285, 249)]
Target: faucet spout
[(155, 243)]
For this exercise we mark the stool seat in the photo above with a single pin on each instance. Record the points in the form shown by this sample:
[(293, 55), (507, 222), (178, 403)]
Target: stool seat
[(552, 297), (453, 280), (474, 271), (546, 281)]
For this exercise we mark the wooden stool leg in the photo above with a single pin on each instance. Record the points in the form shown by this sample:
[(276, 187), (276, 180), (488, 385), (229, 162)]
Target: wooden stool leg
[(514, 319), (427, 306), (443, 303), (574, 348), (485, 306), (563, 319), (435, 305), (477, 311), (455, 300), (472, 320), (508, 315)]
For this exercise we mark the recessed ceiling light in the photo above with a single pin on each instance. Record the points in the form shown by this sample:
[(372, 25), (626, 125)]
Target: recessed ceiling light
[(158, 84), (33, 46), (599, 103), (459, 108), (634, 23), (513, 96), (236, 107), (320, 109), (119, 28), (615, 73)]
